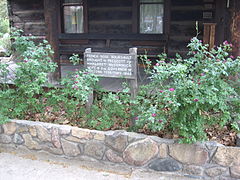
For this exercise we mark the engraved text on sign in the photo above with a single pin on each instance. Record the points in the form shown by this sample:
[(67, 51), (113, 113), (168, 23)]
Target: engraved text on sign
[(111, 64)]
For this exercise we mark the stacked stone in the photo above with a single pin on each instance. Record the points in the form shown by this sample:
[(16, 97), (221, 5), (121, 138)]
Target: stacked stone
[(206, 160)]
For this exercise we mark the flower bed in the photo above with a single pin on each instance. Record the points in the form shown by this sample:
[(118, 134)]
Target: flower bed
[(192, 99), (202, 160)]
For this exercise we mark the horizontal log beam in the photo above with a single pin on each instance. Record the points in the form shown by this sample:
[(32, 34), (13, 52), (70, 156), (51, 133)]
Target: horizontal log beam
[(149, 37)]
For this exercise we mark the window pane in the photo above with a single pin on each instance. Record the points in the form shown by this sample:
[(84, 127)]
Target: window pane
[(151, 18), (151, 1), (73, 19)]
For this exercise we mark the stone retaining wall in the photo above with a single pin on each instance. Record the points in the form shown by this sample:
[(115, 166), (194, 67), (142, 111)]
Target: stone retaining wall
[(206, 160)]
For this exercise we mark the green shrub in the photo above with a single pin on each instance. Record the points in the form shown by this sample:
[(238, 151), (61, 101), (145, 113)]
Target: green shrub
[(31, 76), (4, 26), (5, 42), (29, 96), (112, 110), (187, 95)]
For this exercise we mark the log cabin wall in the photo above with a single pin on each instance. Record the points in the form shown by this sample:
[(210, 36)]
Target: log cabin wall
[(113, 17), (110, 17), (116, 18), (28, 15), (104, 17), (110, 29), (184, 14)]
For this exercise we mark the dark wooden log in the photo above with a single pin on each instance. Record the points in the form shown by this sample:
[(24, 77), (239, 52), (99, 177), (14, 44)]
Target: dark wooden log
[(221, 20), (110, 15), (28, 16), (185, 28), (112, 23), (35, 28), (149, 37), (19, 5), (51, 9), (186, 3), (186, 15), (109, 3), (110, 27), (135, 23), (235, 28)]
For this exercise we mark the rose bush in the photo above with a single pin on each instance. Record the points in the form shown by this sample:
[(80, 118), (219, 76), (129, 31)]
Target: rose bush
[(185, 95), (188, 95)]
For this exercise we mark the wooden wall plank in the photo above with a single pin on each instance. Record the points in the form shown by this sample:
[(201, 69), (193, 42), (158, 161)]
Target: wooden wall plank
[(235, 27), (51, 9), (135, 11), (28, 16)]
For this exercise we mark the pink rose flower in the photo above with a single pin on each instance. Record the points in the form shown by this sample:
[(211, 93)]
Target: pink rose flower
[(154, 114), (196, 100), (75, 87), (172, 89), (225, 42)]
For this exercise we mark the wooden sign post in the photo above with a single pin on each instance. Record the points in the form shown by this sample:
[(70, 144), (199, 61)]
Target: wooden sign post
[(134, 82), (113, 65)]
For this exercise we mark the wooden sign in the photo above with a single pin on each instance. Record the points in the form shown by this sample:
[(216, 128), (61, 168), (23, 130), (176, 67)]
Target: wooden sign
[(113, 65)]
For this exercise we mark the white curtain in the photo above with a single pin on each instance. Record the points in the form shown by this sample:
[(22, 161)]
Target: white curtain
[(73, 16), (73, 19), (151, 17)]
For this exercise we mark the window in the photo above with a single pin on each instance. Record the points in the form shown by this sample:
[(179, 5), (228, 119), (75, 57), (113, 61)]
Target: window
[(73, 16), (151, 16)]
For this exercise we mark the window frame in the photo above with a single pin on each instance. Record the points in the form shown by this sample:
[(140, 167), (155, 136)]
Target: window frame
[(133, 36), (150, 3), (136, 18), (85, 16)]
